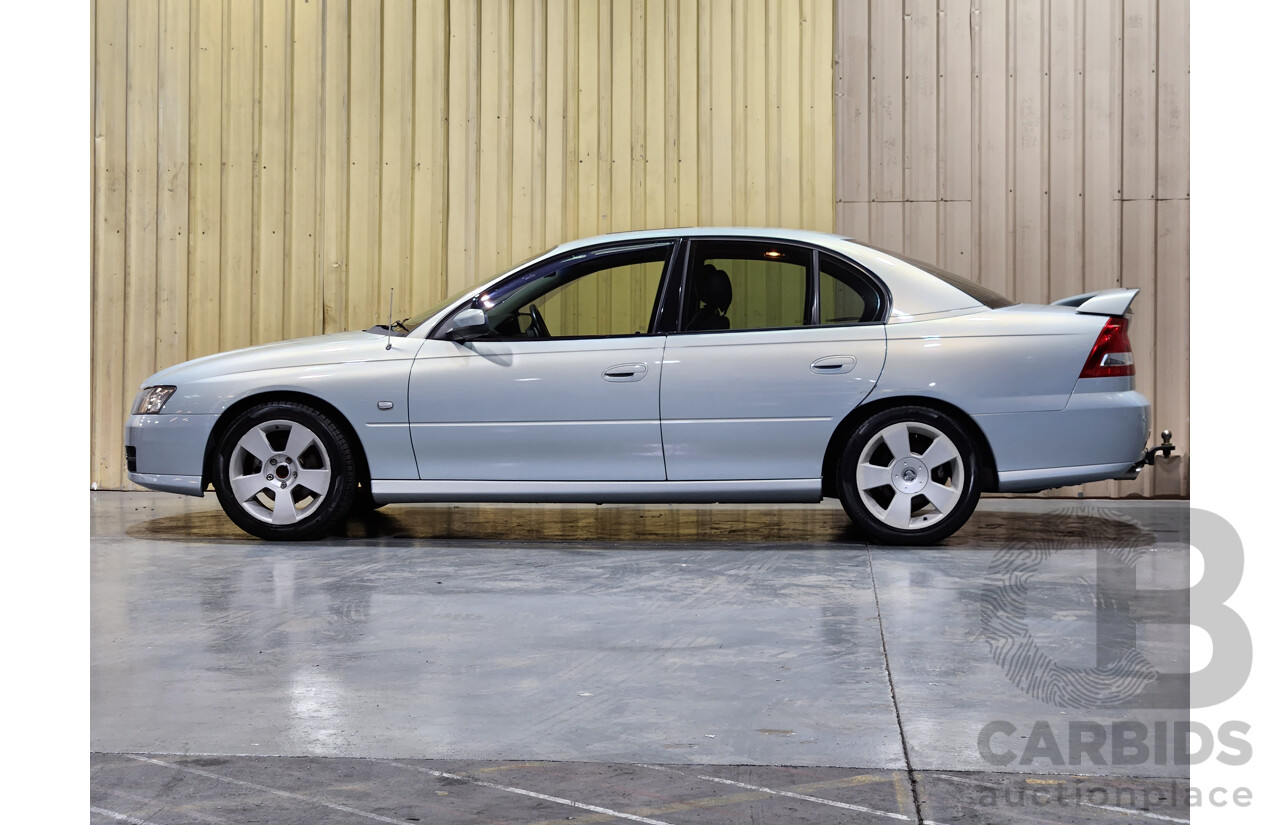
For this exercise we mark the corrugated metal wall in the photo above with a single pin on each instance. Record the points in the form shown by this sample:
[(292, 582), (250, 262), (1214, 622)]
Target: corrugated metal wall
[(266, 170), (1038, 146)]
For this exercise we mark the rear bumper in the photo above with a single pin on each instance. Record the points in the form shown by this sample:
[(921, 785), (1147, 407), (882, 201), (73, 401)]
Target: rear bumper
[(168, 451), (1032, 481), (1097, 436)]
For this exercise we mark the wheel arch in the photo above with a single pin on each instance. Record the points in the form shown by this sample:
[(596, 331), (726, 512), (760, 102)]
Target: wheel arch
[(987, 473), (233, 411)]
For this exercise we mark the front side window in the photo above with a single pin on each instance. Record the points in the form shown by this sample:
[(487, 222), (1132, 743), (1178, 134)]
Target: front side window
[(595, 293), (741, 285)]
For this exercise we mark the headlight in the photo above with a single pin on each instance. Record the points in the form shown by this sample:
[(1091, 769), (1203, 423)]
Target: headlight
[(151, 400)]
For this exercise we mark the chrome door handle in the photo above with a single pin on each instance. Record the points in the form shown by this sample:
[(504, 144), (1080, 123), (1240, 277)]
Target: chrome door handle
[(833, 365), (625, 372)]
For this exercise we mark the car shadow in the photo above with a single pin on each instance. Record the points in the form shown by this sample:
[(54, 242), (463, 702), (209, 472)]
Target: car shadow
[(1058, 529), (655, 526)]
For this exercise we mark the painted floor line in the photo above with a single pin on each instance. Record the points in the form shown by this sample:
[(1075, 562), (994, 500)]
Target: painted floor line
[(119, 817), (1080, 802), (533, 794), (286, 794), (722, 800), (846, 805), (706, 803), (167, 806), (510, 767)]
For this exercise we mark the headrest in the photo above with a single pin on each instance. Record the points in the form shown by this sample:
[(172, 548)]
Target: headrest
[(714, 288)]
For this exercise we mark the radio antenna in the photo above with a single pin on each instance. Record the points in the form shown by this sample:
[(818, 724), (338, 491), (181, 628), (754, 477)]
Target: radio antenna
[(391, 309)]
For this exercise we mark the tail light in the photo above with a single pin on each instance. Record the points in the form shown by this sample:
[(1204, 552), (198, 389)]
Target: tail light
[(1112, 354)]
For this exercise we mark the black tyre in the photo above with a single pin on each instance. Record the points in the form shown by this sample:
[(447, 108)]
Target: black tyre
[(285, 472), (909, 476)]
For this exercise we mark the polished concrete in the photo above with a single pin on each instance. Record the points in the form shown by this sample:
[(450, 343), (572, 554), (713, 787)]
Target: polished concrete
[(666, 636)]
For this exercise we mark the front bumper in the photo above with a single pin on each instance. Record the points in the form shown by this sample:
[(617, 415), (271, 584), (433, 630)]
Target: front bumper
[(168, 451)]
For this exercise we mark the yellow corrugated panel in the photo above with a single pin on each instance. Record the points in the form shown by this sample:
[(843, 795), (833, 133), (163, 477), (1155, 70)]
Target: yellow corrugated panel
[(271, 169)]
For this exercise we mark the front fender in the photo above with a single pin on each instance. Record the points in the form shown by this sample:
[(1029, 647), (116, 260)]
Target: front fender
[(352, 389)]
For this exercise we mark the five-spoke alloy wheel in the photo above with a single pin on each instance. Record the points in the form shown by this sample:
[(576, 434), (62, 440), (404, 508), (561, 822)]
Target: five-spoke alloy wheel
[(908, 476), (285, 471)]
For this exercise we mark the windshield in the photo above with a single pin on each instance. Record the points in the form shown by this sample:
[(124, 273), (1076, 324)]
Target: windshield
[(408, 325)]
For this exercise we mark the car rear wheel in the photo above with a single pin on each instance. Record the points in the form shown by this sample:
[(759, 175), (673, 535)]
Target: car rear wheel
[(909, 476), (285, 472)]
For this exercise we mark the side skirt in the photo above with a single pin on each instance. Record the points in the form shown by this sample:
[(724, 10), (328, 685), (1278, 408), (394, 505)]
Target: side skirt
[(592, 492)]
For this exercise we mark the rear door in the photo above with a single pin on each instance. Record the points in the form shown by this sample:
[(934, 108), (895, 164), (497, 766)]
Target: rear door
[(776, 344)]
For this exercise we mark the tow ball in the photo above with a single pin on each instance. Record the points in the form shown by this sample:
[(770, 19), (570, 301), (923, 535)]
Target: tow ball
[(1164, 448)]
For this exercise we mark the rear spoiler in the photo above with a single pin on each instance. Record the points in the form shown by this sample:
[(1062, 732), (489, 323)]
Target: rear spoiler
[(1102, 302)]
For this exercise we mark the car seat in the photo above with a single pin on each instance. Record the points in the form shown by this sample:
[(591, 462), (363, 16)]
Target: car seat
[(715, 292)]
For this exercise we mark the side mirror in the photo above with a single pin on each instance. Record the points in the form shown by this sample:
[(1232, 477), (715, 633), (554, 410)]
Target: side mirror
[(469, 323)]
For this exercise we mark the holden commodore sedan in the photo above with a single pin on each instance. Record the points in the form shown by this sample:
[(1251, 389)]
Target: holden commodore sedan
[(681, 365)]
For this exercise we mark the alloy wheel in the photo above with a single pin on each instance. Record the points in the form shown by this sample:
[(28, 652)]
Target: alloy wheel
[(910, 475), (279, 472)]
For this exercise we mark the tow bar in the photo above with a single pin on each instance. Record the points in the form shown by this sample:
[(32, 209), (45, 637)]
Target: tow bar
[(1165, 447)]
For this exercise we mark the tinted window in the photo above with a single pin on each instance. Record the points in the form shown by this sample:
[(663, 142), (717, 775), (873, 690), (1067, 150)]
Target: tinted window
[(593, 293), (845, 296), (616, 300), (410, 324), (738, 285)]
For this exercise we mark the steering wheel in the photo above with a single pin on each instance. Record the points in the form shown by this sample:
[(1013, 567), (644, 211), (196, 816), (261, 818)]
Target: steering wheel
[(537, 326)]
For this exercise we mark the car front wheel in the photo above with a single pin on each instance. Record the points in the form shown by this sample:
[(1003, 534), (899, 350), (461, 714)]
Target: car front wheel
[(909, 476), (285, 472)]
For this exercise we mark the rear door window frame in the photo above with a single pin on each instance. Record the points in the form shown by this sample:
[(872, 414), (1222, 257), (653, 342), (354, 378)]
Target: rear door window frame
[(673, 309)]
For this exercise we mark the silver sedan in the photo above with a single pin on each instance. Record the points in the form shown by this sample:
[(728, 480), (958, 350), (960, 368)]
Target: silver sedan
[(680, 365)]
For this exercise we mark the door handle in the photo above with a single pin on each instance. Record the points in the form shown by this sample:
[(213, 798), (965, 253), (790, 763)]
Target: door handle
[(625, 372), (833, 365)]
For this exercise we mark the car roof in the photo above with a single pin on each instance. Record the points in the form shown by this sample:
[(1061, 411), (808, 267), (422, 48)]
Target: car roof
[(770, 233)]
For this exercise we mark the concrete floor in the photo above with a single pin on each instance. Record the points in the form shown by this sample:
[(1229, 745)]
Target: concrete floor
[(612, 653), (169, 790)]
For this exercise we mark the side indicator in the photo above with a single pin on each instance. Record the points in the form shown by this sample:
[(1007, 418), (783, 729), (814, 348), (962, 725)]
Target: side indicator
[(385, 405)]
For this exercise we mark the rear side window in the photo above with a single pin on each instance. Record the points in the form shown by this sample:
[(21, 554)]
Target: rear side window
[(844, 294)]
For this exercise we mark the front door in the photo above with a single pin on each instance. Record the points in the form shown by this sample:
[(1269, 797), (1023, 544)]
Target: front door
[(564, 388)]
